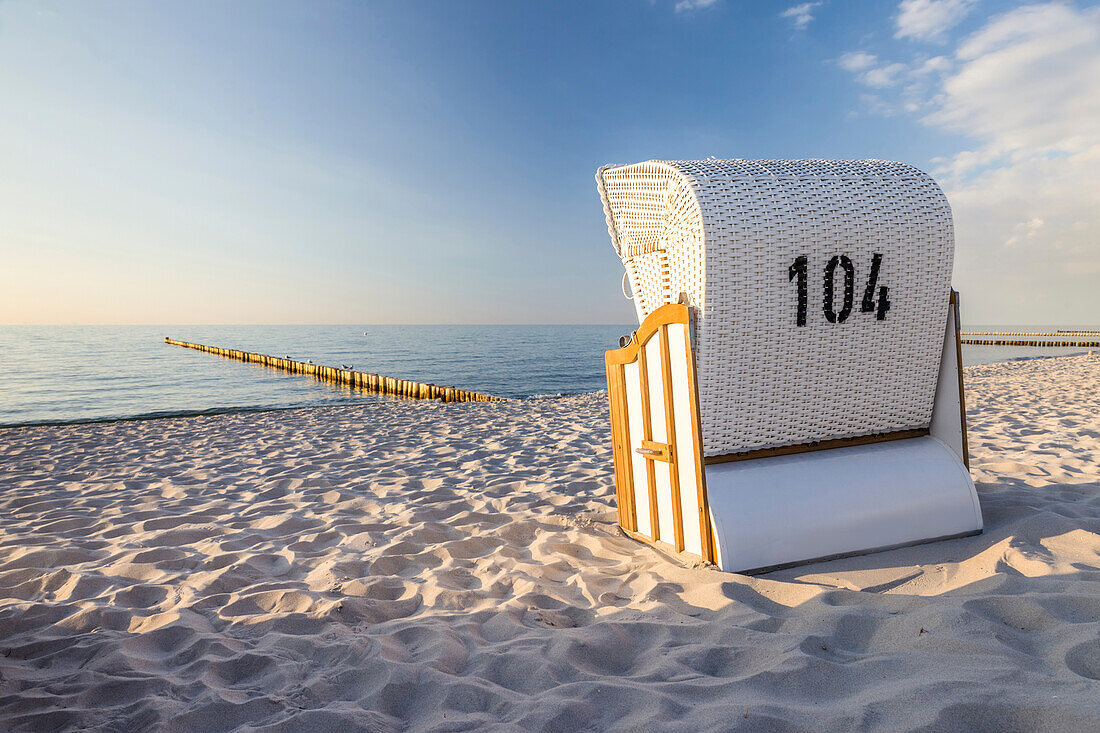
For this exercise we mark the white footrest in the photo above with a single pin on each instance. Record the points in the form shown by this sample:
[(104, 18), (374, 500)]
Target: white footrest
[(772, 512)]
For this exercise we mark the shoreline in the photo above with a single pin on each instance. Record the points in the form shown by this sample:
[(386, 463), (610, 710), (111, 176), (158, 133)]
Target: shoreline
[(246, 409), (251, 410)]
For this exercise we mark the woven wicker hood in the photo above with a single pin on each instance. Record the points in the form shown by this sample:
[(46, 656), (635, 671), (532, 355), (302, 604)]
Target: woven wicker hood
[(729, 235)]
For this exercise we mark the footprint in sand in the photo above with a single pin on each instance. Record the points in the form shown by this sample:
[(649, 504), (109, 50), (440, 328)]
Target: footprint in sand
[(1084, 659)]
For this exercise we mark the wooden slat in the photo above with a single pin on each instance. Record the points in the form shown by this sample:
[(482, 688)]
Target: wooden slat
[(624, 438), (706, 533), (786, 450), (647, 434), (613, 390), (962, 392), (659, 544), (620, 441), (670, 437)]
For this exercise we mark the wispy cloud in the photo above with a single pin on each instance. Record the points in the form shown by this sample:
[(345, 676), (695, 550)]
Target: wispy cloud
[(929, 20), (884, 76), (869, 71), (684, 6), (857, 61), (800, 15), (1029, 80)]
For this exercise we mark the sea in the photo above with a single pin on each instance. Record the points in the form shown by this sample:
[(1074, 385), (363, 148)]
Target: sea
[(72, 374)]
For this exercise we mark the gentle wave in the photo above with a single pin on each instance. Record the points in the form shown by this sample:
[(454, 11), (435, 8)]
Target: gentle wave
[(150, 416)]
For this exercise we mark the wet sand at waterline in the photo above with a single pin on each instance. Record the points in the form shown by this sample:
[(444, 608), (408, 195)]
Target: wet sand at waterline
[(423, 566)]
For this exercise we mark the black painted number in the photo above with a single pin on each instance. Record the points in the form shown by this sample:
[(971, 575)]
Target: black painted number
[(869, 305), (831, 315), (799, 269), (879, 306)]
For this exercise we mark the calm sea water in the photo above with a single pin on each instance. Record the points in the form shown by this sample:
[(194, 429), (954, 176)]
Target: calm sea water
[(78, 373)]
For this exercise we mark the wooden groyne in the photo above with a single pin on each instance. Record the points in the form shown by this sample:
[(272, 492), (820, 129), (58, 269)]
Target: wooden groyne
[(1050, 339), (375, 383), (1059, 334)]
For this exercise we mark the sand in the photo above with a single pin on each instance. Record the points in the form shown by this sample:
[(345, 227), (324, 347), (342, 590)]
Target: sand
[(415, 566)]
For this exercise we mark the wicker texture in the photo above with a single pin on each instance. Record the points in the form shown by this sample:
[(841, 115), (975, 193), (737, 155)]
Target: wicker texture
[(725, 232)]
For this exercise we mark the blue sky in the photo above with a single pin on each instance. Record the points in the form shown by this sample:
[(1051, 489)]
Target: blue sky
[(432, 162)]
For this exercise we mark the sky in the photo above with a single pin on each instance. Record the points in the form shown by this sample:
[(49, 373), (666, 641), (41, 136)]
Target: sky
[(433, 162)]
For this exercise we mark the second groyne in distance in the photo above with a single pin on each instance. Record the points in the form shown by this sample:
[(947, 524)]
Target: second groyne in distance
[(1049, 339)]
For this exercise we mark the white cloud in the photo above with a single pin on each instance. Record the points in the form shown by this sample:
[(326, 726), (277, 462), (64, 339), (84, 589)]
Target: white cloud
[(934, 65), (688, 5), (883, 76), (800, 15), (869, 71), (1025, 230), (857, 61), (929, 20)]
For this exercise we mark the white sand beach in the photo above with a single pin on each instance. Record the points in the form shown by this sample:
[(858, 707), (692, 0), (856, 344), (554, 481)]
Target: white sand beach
[(420, 566)]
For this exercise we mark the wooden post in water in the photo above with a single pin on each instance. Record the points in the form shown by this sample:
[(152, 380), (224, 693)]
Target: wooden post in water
[(969, 338), (375, 383)]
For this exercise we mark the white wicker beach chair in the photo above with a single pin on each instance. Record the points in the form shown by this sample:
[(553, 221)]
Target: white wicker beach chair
[(792, 392)]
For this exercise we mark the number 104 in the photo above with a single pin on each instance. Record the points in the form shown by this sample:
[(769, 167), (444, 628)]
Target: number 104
[(879, 306)]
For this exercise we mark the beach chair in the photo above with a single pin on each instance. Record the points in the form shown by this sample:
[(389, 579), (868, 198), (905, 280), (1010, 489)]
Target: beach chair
[(794, 390)]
